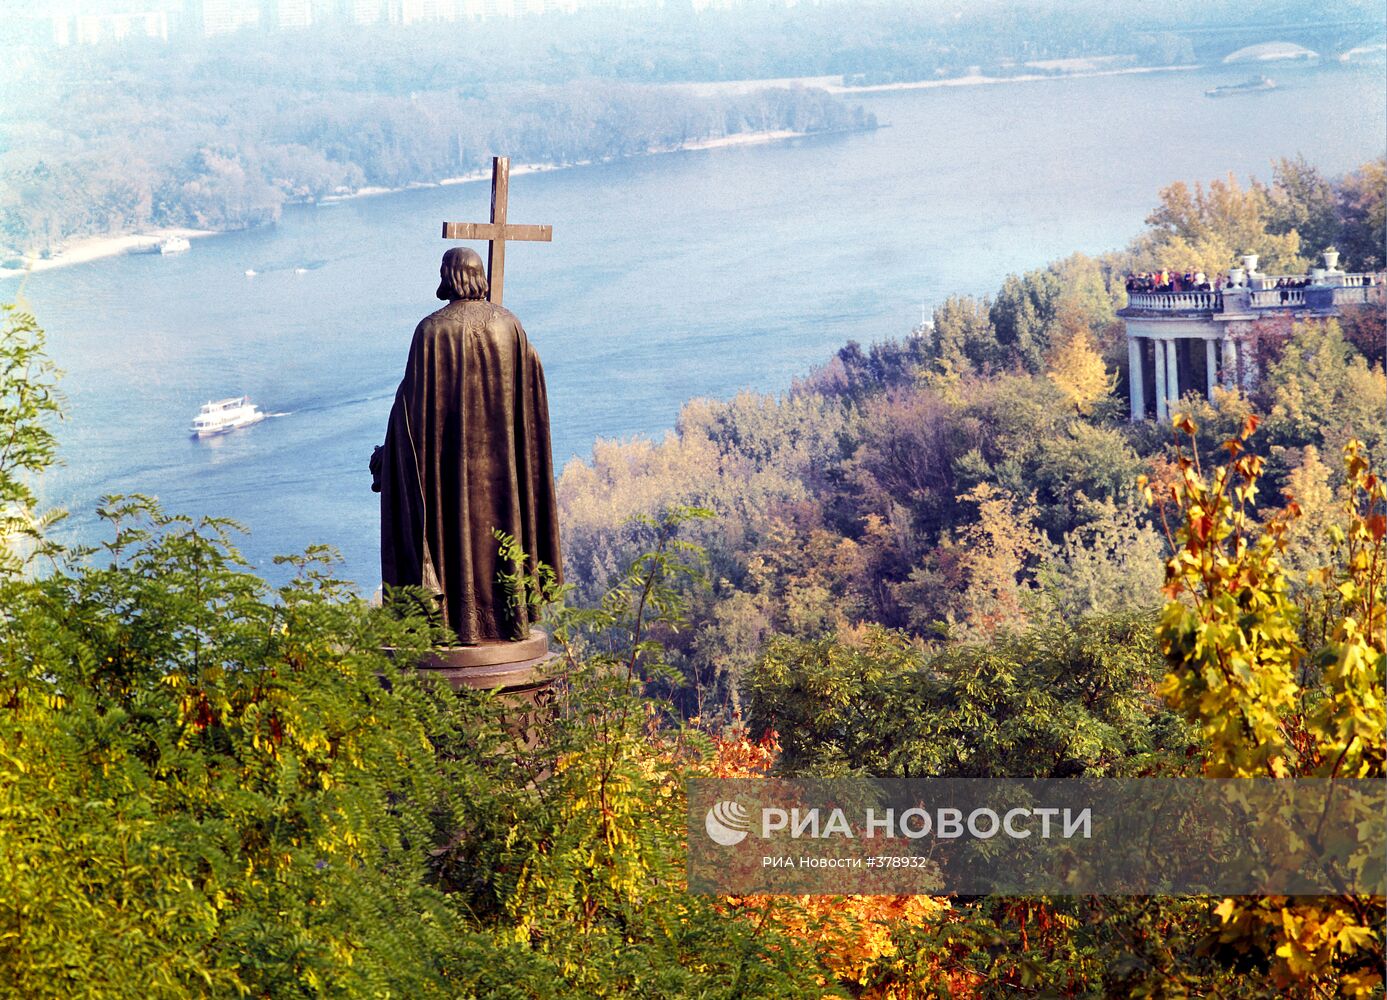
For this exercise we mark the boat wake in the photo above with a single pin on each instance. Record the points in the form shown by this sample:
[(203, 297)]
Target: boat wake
[(285, 266), (337, 404)]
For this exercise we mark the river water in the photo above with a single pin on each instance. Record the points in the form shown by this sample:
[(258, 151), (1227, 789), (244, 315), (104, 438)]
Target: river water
[(671, 276)]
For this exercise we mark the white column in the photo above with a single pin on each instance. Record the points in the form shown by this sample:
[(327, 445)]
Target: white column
[(1172, 375), (1211, 367), (1134, 379), (1230, 363), (1159, 350)]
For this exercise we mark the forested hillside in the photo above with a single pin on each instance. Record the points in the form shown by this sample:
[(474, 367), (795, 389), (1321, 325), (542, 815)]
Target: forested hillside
[(980, 475), (949, 556)]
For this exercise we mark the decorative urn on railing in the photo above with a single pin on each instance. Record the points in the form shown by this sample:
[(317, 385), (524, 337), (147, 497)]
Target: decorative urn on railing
[(1331, 259), (1250, 262), (1236, 276)]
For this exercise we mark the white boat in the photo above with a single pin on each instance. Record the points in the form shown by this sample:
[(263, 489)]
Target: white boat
[(224, 415), (174, 244), (1251, 86)]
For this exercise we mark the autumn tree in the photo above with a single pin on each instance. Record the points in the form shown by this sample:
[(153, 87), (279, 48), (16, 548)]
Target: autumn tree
[(1076, 367), (1363, 209), (29, 403), (1309, 536), (1272, 698), (1321, 391), (1111, 562), (963, 338), (1208, 228), (997, 549), (853, 935), (1057, 699), (1301, 199)]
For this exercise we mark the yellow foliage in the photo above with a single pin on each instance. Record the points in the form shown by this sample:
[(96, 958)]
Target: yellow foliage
[(996, 550), (851, 934), (1209, 227), (1308, 536), (1230, 635), (1078, 371)]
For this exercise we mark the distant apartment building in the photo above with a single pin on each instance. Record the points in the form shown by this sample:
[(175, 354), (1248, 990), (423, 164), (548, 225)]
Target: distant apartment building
[(221, 17), (92, 22), (75, 26), (365, 11), (207, 18), (480, 10), (415, 11), (288, 13)]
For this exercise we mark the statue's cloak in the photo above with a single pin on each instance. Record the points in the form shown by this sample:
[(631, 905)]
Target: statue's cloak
[(467, 452)]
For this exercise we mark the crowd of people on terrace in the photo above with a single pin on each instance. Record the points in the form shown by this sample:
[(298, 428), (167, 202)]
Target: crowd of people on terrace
[(1198, 281), (1173, 281)]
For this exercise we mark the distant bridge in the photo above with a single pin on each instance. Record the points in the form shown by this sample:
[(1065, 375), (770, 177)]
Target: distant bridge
[(1329, 38)]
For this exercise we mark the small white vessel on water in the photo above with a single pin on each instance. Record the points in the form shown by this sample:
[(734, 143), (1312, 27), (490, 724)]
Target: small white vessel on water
[(225, 415), (1251, 86), (175, 244)]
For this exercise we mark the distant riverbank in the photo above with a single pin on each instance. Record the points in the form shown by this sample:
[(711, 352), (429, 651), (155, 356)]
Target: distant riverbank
[(87, 249), (519, 169), (978, 79), (1061, 69)]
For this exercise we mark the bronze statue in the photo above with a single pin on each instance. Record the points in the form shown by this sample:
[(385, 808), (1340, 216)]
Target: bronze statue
[(467, 452)]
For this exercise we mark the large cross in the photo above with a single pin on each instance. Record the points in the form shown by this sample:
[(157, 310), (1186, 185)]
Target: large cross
[(497, 231)]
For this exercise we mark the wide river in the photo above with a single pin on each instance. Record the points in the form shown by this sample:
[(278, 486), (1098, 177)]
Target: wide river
[(671, 276)]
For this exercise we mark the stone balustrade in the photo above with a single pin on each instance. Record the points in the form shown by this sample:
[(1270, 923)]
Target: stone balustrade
[(1349, 295), (1261, 293), (1175, 301), (1274, 297)]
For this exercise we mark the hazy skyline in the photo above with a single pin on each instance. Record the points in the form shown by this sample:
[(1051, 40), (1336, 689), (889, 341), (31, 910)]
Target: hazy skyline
[(95, 22)]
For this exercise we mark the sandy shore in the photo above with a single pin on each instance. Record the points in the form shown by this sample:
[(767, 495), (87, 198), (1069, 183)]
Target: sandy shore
[(716, 87), (96, 247), (976, 80), (1068, 69), (516, 170), (520, 169), (739, 139)]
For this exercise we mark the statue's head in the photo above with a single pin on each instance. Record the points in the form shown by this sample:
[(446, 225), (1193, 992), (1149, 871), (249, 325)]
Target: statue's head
[(462, 274)]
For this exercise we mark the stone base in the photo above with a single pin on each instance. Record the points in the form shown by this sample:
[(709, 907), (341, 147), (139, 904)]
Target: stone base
[(516, 669)]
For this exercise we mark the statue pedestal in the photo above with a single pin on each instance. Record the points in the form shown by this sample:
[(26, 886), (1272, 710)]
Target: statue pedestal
[(516, 669)]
